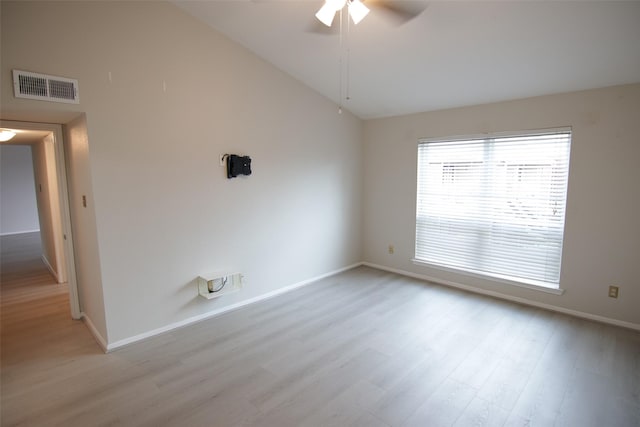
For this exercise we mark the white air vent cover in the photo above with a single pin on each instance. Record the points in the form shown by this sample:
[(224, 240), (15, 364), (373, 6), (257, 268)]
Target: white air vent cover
[(44, 87)]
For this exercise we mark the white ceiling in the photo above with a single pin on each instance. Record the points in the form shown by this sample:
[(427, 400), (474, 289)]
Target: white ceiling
[(454, 54)]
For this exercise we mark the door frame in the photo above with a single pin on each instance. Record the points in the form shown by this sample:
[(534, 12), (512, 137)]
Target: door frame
[(63, 195)]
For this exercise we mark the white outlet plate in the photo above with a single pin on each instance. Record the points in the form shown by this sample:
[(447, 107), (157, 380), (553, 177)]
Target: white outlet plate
[(235, 284)]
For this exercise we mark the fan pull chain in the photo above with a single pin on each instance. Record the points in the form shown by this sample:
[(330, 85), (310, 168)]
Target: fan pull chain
[(348, 72), (340, 69)]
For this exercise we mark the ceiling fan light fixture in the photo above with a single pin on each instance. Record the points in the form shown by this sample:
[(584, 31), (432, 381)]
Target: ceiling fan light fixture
[(357, 11), (326, 13)]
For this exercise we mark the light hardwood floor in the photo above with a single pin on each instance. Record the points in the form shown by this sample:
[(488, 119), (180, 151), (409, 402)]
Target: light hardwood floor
[(363, 348)]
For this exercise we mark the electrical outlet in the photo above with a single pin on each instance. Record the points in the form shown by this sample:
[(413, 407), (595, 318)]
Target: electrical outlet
[(613, 291), (391, 249)]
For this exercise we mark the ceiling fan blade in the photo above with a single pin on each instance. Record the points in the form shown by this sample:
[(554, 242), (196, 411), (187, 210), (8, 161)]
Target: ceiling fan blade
[(399, 11)]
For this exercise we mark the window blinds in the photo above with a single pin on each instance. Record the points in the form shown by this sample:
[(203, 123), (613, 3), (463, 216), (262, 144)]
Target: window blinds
[(494, 205)]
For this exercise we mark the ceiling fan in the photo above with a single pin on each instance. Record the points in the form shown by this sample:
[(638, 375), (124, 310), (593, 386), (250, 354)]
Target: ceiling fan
[(357, 10), (400, 11)]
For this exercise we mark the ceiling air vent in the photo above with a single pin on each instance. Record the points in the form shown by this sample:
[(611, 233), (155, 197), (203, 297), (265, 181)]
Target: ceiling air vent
[(44, 87)]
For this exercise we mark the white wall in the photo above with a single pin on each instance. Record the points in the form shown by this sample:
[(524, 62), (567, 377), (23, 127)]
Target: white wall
[(602, 235), (47, 196), (164, 96), (44, 207), (18, 209)]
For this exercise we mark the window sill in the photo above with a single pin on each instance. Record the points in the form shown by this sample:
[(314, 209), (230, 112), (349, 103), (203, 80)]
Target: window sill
[(540, 288)]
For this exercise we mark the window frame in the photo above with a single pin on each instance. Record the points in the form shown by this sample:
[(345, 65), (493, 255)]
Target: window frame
[(489, 138)]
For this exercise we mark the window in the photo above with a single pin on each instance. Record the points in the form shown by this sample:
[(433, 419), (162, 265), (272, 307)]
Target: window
[(494, 205)]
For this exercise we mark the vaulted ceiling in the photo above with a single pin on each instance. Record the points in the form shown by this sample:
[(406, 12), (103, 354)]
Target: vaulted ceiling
[(454, 53)]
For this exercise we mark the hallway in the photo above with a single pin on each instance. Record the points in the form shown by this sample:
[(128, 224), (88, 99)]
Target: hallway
[(24, 275), (37, 330)]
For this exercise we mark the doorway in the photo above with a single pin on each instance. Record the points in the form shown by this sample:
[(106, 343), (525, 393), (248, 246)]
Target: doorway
[(55, 239)]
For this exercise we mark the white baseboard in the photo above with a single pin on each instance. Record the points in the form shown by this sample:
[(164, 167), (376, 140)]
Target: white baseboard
[(120, 343), (13, 233), (51, 270), (499, 295), (98, 337)]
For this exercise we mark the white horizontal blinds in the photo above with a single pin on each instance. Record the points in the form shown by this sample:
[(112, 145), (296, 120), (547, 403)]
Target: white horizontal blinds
[(494, 205)]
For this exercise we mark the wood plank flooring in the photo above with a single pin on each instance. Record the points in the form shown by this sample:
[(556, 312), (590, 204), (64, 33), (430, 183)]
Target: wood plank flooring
[(363, 348)]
